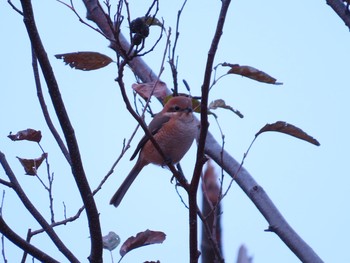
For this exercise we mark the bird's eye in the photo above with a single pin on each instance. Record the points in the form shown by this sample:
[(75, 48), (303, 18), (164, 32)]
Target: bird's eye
[(176, 108)]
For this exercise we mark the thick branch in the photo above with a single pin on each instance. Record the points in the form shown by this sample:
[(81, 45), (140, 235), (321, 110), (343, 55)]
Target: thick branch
[(214, 150), (77, 167), (262, 201), (341, 9), (203, 134), (35, 213), (24, 245)]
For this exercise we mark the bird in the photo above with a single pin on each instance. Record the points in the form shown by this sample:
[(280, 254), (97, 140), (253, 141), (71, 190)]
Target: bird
[(174, 129)]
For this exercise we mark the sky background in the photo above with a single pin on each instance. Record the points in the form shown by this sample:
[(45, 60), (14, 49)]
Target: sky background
[(303, 44)]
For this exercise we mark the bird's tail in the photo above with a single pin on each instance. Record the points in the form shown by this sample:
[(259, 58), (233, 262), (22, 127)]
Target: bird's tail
[(119, 195)]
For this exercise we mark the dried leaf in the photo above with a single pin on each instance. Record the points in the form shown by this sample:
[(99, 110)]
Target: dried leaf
[(145, 238), (158, 88), (289, 129), (252, 73), (220, 103), (196, 105), (31, 165), (210, 183), (85, 60), (110, 241), (28, 135), (152, 21)]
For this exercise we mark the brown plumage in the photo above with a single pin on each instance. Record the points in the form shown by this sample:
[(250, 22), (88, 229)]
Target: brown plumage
[(174, 129)]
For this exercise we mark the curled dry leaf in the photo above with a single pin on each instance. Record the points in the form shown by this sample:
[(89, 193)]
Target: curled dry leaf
[(252, 73), (110, 241), (196, 105), (283, 127), (145, 238), (155, 88), (220, 103), (152, 21), (210, 183), (31, 165), (85, 60), (28, 135)]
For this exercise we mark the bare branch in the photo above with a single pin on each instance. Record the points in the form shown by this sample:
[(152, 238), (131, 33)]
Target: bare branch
[(201, 159), (227, 162), (16, 239), (14, 7), (172, 63), (35, 213), (97, 15), (77, 167), (341, 9)]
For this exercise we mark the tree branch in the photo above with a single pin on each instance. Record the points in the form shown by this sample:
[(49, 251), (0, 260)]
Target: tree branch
[(341, 9), (96, 14), (24, 245), (201, 159), (214, 150), (45, 110), (77, 167), (35, 213), (262, 201)]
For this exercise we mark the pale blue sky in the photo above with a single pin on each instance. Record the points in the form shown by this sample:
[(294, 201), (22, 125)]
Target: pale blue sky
[(303, 44)]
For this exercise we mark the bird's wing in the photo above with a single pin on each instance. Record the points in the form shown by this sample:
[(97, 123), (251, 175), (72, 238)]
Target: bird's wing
[(154, 126)]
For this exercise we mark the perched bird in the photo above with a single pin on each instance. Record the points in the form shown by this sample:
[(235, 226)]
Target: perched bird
[(174, 129)]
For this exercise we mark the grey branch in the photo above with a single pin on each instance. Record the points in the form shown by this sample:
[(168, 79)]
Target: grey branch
[(341, 9), (213, 149)]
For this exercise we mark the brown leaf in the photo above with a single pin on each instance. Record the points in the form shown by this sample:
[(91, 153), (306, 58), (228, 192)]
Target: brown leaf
[(289, 129), (145, 90), (28, 134), (85, 60), (145, 238), (196, 105), (31, 165), (220, 103), (252, 73), (152, 21), (210, 184)]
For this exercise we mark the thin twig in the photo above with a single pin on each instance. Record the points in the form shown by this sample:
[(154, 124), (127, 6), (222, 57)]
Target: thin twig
[(69, 133), (25, 253), (173, 65), (71, 7), (200, 160), (14, 7), (2, 202), (3, 249), (110, 172), (50, 178), (34, 212), (209, 234), (239, 168), (44, 109), (24, 245)]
